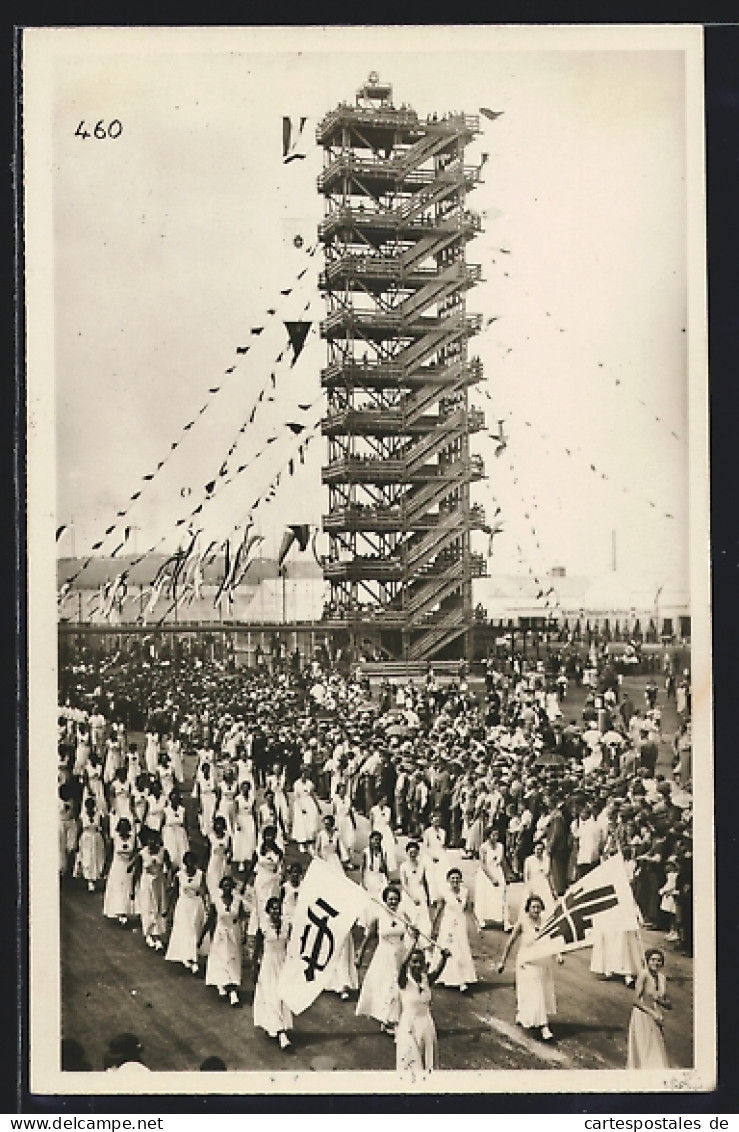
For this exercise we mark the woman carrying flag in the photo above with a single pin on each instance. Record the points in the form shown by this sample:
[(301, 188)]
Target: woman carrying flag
[(535, 998), (270, 1012)]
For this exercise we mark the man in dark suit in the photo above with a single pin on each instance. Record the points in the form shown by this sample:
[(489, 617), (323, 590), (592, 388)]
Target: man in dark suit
[(558, 847)]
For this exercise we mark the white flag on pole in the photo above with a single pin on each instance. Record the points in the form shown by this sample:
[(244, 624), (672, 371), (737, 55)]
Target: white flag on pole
[(327, 907), (601, 898)]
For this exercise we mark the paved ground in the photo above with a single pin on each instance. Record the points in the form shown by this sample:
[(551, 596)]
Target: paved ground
[(111, 982)]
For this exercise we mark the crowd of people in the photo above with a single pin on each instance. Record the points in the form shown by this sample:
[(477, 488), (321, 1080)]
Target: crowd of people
[(440, 802)]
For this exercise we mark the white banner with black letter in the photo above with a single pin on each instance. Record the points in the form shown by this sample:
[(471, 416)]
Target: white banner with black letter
[(327, 907)]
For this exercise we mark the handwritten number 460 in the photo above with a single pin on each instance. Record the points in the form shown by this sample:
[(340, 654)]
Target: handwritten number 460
[(113, 129)]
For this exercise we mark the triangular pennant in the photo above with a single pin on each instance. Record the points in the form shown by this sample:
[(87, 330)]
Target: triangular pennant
[(242, 349), (295, 427), (297, 332)]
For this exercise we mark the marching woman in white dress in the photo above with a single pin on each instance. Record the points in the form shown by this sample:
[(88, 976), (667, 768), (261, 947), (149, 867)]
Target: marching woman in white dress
[(374, 876), (140, 799), (535, 997), (91, 844), (415, 903), (269, 815), (227, 799), (345, 820), (290, 893), (267, 866), (433, 844), (151, 752), (381, 819), (245, 770), (491, 886), (204, 789), (245, 833), (155, 806), (416, 1047), (117, 902), (150, 872), (380, 995), (305, 811), (82, 751), (113, 758), (276, 783), (343, 974), (189, 915), (536, 870), (174, 750), (270, 1012), (120, 799), (219, 840), (223, 967), (450, 929), (174, 833), (94, 787)]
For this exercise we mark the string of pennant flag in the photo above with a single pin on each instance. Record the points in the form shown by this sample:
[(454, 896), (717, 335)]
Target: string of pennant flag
[(297, 332)]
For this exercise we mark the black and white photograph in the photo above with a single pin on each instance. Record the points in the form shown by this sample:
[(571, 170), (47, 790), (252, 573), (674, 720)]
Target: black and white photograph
[(368, 569)]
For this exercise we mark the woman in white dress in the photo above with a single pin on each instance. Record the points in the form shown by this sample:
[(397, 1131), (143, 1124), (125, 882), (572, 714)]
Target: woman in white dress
[(91, 844), (140, 800), (381, 820), (150, 872), (433, 844), (155, 805), (451, 932), (346, 823), (374, 876), (415, 902), (290, 893), (204, 789), (416, 1047), (93, 784), (189, 915), (165, 773), (151, 752), (67, 831), (491, 886), (227, 799), (343, 974), (120, 799), (536, 870), (270, 1012), (174, 833), (113, 758), (174, 750), (646, 1048), (245, 832), (82, 752), (223, 967), (219, 840), (276, 781), (267, 867), (380, 995), (269, 815), (305, 811), (535, 997), (118, 901)]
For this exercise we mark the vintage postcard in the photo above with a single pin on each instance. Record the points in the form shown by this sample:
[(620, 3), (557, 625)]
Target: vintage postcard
[(368, 560)]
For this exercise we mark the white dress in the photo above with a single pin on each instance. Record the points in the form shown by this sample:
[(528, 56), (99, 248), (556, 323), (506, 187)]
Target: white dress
[(174, 834), (436, 861), (117, 900), (189, 919), (266, 884), (91, 846), (223, 968), (380, 994), (536, 880), (245, 834), (491, 890), (381, 822), (155, 812), (151, 894), (415, 904), (219, 850), (416, 1047), (453, 935), (305, 812), (270, 1012), (342, 809), (151, 753), (374, 880), (535, 998), (227, 804), (205, 787)]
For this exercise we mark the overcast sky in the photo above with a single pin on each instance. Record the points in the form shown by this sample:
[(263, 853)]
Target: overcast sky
[(172, 241)]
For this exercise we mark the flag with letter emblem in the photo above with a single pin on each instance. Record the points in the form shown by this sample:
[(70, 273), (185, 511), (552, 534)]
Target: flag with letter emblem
[(327, 907), (602, 898)]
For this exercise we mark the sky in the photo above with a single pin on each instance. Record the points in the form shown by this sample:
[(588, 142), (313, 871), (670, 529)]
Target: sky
[(172, 241)]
